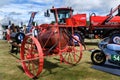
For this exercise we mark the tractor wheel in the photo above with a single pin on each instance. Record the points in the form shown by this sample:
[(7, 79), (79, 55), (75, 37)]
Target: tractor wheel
[(115, 38), (19, 37), (98, 57), (31, 56), (78, 35), (72, 55)]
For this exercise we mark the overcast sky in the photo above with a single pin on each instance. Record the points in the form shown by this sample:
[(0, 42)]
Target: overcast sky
[(19, 10)]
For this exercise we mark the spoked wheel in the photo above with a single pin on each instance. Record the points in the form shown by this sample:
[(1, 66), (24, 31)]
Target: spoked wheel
[(98, 57), (31, 56), (73, 54)]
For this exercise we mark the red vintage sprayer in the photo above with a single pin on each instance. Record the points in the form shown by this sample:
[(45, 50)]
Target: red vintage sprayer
[(56, 38)]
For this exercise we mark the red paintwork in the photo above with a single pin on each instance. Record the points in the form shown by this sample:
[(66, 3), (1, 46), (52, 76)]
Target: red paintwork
[(50, 36), (97, 20), (77, 20), (115, 19)]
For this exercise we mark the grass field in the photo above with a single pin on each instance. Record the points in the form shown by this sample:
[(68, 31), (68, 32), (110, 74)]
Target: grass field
[(10, 69)]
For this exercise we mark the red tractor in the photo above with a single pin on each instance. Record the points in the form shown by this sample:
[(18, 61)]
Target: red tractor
[(51, 39), (97, 26), (103, 26)]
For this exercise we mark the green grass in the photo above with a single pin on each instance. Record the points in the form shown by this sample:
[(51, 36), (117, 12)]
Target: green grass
[(10, 69)]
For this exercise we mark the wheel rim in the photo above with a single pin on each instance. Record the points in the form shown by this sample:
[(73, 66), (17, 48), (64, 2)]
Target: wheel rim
[(31, 56), (116, 38), (19, 37), (72, 55), (98, 57), (78, 37)]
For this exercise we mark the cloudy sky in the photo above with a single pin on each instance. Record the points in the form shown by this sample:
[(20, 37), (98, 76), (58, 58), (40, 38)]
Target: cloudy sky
[(19, 10)]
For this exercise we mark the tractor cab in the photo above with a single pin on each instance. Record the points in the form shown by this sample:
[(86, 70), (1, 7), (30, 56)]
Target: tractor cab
[(61, 14)]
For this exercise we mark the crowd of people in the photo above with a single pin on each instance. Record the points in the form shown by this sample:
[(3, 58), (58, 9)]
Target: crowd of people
[(11, 32)]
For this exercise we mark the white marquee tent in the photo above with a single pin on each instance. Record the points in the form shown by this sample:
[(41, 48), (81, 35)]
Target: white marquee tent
[(1, 32)]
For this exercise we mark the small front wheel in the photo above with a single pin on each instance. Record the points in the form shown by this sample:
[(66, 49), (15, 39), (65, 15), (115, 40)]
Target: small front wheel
[(98, 57)]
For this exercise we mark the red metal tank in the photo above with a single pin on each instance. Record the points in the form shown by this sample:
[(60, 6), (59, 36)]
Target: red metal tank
[(51, 36)]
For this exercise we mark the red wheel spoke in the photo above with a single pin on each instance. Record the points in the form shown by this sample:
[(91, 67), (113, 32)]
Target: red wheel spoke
[(73, 54), (69, 57), (65, 55), (28, 66), (33, 67)]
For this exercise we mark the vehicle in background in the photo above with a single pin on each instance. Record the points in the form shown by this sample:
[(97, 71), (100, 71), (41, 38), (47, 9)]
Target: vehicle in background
[(98, 27), (109, 50)]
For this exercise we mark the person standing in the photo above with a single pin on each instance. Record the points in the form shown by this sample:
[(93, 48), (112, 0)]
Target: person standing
[(8, 34)]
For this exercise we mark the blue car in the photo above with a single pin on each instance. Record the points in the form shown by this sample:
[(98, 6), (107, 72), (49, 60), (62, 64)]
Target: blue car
[(109, 50)]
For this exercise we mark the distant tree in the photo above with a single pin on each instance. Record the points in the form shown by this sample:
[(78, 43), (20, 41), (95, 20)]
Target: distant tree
[(52, 22), (88, 22)]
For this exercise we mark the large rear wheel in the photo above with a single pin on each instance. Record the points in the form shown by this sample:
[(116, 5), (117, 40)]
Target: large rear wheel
[(31, 56)]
